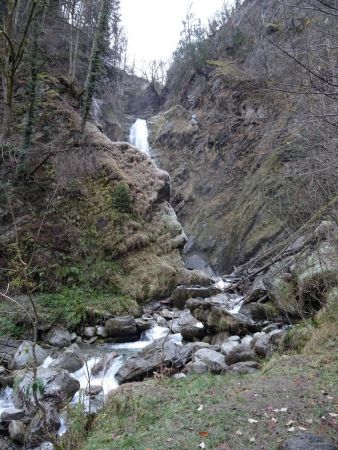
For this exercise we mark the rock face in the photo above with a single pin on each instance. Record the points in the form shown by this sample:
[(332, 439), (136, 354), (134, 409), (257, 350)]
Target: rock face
[(56, 385), (166, 352), (307, 441), (23, 357), (122, 329)]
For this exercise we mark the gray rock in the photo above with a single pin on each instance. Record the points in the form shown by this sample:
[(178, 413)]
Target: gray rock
[(271, 327), (182, 293), (213, 360), (122, 328), (12, 414), (240, 353), (89, 332), (161, 321), (228, 346), (257, 291), (73, 337), (101, 331), (242, 368), (57, 385), (234, 338), (104, 364), (94, 391), (17, 431), (70, 360), (219, 338), (165, 351), (58, 337), (23, 357), (188, 326), (91, 340), (275, 336), (179, 376), (45, 446), (262, 346), (256, 337), (307, 441), (143, 324), (247, 340), (196, 367), (8, 347), (2, 370)]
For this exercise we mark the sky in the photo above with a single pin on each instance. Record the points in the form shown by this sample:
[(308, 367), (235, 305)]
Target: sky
[(153, 26)]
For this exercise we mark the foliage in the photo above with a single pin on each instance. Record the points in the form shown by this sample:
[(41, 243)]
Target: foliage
[(122, 198)]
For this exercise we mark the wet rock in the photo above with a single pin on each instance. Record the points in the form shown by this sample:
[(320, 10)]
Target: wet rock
[(143, 324), (94, 391), (188, 326), (219, 338), (182, 293), (58, 385), (71, 360), (17, 430), (161, 321), (101, 331), (23, 357), (262, 346), (12, 414), (104, 364), (40, 428), (122, 328), (213, 360), (242, 368), (196, 367), (58, 337), (307, 441), (89, 332), (240, 353), (166, 352)]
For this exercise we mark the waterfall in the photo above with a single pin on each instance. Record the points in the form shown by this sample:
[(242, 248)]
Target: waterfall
[(138, 136)]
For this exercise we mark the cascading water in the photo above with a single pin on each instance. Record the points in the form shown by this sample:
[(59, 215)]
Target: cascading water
[(138, 136)]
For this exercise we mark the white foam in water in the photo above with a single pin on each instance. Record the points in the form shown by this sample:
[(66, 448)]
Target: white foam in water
[(221, 284), (47, 362), (139, 136), (6, 399)]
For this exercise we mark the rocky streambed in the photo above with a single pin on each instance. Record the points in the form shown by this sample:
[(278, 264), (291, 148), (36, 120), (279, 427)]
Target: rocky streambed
[(174, 337)]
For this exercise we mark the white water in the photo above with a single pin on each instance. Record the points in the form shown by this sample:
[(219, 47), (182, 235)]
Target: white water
[(6, 399), (234, 301), (138, 136)]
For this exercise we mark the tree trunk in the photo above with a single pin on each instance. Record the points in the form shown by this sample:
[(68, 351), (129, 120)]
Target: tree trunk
[(7, 83)]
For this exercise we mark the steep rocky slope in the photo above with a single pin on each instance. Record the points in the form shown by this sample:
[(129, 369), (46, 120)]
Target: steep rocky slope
[(90, 217), (251, 156)]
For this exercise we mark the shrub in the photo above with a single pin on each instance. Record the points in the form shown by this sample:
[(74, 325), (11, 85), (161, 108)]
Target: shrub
[(122, 198)]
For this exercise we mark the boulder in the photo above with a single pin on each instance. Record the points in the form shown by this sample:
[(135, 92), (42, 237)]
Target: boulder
[(256, 337), (196, 367), (228, 346), (23, 357), (276, 336), (234, 338), (17, 431), (8, 347), (243, 368), (271, 327), (12, 414), (213, 360), (240, 353), (307, 441), (104, 364), (257, 291), (94, 391), (143, 324), (188, 326), (101, 331), (58, 337), (161, 321), (164, 352), (261, 312), (246, 340), (58, 385), (122, 329), (219, 338), (89, 332), (182, 293), (179, 376), (262, 346), (70, 360)]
